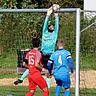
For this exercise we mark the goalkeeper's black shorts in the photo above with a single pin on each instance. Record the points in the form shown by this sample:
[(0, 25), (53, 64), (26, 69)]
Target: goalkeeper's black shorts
[(45, 58)]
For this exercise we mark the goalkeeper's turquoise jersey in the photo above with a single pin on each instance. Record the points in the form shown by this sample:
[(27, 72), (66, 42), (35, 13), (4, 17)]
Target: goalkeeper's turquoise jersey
[(48, 38)]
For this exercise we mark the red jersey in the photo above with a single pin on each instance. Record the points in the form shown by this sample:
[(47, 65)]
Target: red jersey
[(33, 56)]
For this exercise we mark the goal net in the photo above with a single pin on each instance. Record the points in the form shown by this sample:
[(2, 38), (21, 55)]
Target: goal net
[(88, 54), (16, 31)]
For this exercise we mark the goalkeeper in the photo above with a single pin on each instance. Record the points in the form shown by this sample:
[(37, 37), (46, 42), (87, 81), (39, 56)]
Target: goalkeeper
[(49, 38)]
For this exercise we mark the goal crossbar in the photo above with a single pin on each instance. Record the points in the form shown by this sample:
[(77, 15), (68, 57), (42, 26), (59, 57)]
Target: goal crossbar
[(37, 10)]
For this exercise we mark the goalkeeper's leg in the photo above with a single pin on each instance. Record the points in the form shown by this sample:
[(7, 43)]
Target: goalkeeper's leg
[(49, 81), (45, 59), (25, 74), (20, 80)]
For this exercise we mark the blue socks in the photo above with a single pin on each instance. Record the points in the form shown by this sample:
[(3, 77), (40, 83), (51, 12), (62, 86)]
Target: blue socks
[(67, 93), (25, 74), (58, 90), (49, 81)]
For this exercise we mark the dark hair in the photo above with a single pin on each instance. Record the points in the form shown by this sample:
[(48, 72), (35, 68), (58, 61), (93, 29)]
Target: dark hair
[(35, 41), (49, 29), (50, 25)]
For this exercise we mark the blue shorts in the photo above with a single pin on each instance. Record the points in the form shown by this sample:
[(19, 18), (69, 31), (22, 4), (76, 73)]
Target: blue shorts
[(63, 81)]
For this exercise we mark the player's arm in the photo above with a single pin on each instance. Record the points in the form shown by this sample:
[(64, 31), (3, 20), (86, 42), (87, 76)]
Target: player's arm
[(25, 63), (56, 27), (38, 61), (45, 26), (37, 65), (49, 66), (70, 60)]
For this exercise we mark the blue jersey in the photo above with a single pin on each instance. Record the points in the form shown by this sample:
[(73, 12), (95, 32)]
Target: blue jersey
[(60, 61), (48, 38)]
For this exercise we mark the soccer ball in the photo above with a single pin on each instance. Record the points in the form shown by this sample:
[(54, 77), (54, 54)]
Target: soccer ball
[(56, 7)]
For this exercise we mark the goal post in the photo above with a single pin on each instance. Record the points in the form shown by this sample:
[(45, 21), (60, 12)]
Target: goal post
[(77, 11), (77, 52)]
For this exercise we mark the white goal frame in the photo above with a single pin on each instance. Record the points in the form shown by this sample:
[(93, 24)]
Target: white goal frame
[(77, 10)]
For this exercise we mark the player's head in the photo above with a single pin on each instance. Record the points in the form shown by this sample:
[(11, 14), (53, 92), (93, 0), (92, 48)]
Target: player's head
[(35, 41), (50, 28), (60, 43)]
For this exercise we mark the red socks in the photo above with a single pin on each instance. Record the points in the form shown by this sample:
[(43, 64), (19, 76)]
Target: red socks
[(30, 94), (46, 93)]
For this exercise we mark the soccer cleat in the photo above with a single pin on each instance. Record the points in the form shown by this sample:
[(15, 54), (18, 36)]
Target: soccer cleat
[(18, 81)]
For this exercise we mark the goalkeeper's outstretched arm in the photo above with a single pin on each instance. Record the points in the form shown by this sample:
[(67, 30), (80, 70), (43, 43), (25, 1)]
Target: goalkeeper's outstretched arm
[(45, 26)]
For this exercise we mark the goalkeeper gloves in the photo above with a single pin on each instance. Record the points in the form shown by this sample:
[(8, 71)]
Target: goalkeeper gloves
[(49, 11), (55, 14)]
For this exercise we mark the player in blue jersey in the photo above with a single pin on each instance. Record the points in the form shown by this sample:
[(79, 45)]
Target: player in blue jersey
[(61, 60), (49, 37)]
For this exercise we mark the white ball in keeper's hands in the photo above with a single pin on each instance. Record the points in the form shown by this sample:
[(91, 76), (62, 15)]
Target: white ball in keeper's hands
[(56, 7)]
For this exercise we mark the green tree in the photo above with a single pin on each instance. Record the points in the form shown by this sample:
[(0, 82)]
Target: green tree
[(8, 4), (15, 25)]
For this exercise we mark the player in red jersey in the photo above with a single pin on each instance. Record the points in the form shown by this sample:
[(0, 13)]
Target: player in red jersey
[(33, 62)]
